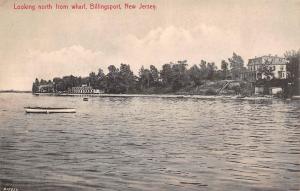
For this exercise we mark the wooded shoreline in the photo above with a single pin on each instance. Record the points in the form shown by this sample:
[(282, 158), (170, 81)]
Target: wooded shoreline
[(178, 78)]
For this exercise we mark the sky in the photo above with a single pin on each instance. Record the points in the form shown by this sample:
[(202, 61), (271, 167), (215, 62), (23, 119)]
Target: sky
[(51, 43)]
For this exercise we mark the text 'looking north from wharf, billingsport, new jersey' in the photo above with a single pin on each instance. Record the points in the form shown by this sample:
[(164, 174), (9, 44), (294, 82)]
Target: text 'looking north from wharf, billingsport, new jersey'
[(84, 6)]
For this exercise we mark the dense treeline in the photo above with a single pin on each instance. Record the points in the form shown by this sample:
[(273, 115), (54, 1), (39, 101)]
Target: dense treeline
[(293, 67), (170, 78)]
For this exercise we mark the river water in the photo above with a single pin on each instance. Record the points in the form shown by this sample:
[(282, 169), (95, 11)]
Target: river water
[(149, 143)]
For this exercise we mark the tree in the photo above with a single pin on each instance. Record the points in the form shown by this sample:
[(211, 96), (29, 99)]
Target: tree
[(236, 61), (294, 63), (224, 67), (195, 74), (166, 74), (35, 86), (155, 75), (113, 80), (69, 82), (85, 81), (203, 69), (145, 78), (100, 74), (293, 69), (58, 84), (92, 80), (43, 82), (236, 65), (127, 78), (78, 81), (211, 68), (101, 79), (179, 75), (219, 75)]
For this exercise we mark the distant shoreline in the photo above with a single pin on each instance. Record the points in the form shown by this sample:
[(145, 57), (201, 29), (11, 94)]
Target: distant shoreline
[(14, 91), (161, 96), (195, 96)]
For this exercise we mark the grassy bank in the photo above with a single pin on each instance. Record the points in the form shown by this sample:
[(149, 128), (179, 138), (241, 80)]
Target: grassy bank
[(206, 88)]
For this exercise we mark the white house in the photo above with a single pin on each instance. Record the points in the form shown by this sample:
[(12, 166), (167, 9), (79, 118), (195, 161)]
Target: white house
[(276, 64), (84, 89)]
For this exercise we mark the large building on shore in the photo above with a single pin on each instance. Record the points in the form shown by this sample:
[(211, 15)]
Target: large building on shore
[(84, 89), (276, 64)]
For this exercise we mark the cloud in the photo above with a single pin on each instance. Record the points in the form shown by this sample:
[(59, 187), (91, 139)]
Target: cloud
[(171, 43), (69, 60), (74, 60), (156, 47)]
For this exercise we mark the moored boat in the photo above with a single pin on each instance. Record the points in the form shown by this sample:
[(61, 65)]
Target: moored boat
[(49, 110)]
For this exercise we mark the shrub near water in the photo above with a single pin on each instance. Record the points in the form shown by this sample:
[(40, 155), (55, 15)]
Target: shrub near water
[(211, 91)]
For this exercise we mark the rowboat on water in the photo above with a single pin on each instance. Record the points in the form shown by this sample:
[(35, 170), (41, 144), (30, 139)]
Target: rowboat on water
[(49, 110)]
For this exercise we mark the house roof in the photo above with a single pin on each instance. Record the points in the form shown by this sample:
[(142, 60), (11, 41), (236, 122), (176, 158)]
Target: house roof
[(273, 60)]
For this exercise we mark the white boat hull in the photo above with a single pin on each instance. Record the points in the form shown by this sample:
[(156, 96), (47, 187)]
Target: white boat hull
[(50, 110)]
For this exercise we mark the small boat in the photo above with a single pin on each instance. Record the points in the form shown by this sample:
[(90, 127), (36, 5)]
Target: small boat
[(49, 110), (85, 99)]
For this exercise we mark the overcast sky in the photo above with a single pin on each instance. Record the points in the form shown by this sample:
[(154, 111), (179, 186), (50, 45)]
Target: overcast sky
[(51, 43)]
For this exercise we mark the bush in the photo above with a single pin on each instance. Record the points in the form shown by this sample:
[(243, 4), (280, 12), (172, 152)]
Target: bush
[(279, 94), (210, 92)]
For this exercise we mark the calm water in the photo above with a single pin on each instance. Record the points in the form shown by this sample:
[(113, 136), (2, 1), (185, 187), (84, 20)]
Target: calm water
[(143, 143)]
